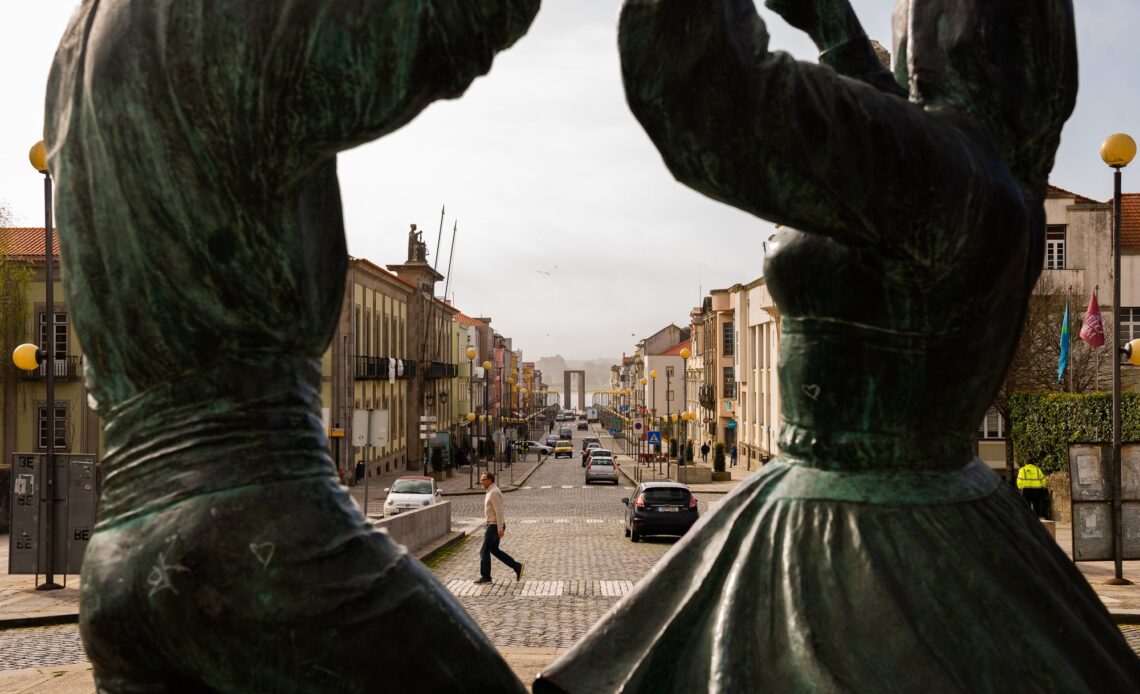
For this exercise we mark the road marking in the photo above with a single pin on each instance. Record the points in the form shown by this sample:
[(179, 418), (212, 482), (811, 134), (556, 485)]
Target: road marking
[(466, 587), (565, 486), (546, 486)]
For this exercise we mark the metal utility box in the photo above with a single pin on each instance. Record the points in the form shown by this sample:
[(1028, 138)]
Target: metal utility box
[(1091, 488), (72, 488)]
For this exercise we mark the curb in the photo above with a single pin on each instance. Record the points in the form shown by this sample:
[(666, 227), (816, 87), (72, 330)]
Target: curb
[(515, 487), (39, 620), (427, 555)]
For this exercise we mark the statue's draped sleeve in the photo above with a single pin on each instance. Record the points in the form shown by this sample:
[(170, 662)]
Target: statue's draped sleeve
[(795, 143), (194, 145)]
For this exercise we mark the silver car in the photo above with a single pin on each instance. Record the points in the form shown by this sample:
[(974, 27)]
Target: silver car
[(601, 469)]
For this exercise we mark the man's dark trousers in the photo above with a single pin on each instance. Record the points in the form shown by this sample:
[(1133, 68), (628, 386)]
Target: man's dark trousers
[(491, 546)]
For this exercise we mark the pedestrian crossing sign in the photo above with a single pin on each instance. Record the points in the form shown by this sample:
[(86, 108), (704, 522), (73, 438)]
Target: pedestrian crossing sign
[(653, 437)]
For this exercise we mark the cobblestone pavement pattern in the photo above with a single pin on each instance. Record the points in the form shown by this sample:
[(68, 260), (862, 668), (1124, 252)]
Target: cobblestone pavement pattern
[(40, 647)]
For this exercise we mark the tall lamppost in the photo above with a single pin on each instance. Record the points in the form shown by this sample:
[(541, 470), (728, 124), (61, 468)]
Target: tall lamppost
[(685, 354), (486, 403), (471, 379), (644, 429), (29, 356), (653, 409), (1116, 151), (471, 417)]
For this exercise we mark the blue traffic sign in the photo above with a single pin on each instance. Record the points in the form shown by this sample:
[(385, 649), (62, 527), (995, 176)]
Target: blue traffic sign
[(637, 425), (653, 437), (613, 431)]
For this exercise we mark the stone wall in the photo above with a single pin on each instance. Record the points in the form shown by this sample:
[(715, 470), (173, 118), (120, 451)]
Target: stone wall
[(414, 529), (1060, 503)]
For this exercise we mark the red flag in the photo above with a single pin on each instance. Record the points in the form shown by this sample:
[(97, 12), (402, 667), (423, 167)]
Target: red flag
[(1092, 329)]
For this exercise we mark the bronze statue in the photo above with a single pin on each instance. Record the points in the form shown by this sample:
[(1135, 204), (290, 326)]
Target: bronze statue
[(194, 144), (876, 553)]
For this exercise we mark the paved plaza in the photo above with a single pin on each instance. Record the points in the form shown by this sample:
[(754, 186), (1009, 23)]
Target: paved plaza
[(568, 535)]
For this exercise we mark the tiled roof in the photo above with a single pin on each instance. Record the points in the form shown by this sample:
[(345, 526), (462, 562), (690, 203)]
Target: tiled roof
[(675, 350), (26, 242), (1130, 220), (1053, 191), (465, 319)]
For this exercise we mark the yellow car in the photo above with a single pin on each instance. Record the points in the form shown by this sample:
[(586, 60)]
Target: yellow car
[(564, 447)]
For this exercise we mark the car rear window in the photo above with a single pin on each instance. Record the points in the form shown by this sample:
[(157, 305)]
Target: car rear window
[(665, 495), (601, 461), (594, 452)]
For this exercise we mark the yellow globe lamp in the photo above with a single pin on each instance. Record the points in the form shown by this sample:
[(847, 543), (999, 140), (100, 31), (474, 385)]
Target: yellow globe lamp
[(1131, 351), (644, 380), (511, 380), (27, 357), (470, 352), (685, 353), (38, 156), (471, 416), (487, 365), (1118, 150), (653, 374)]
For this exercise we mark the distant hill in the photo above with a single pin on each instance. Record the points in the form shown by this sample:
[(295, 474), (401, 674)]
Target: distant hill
[(597, 370)]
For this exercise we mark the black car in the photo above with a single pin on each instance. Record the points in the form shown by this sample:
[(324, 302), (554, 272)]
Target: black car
[(659, 508), (583, 426)]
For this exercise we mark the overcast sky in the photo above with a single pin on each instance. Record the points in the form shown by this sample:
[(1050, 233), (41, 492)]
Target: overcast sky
[(546, 170)]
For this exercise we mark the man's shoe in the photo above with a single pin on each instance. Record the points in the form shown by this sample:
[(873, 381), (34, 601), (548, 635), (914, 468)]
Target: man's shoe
[(482, 580), (518, 573)]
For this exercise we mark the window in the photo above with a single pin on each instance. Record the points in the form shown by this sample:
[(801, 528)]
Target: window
[(1129, 325), (1055, 247), (992, 425), (60, 426), (729, 382), (356, 330), (60, 334), (368, 333), (728, 338)]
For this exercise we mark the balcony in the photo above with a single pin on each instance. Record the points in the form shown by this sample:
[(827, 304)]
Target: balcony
[(437, 370), (706, 395), (378, 369), (68, 368)]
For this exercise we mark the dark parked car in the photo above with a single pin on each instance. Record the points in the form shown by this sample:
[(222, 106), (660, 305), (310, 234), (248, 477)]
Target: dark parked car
[(583, 426), (587, 440), (659, 508)]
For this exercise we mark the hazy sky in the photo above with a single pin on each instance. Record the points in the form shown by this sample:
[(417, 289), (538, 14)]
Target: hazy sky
[(545, 169)]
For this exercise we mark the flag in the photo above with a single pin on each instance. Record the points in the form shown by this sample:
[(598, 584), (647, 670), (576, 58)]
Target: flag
[(1092, 328), (1064, 360)]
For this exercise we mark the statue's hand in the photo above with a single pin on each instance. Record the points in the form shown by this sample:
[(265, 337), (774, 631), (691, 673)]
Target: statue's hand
[(827, 22), (802, 14)]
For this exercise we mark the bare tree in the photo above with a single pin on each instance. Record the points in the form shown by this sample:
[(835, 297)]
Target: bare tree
[(1034, 365)]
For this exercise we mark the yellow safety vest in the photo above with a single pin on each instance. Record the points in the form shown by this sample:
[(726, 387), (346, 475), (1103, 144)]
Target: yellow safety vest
[(1030, 477)]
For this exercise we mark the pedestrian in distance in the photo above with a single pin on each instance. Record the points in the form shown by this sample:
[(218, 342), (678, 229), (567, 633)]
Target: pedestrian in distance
[(732, 455), (1032, 485), (496, 528), (705, 452)]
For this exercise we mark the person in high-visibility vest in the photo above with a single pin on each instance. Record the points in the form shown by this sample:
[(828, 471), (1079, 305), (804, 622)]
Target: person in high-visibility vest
[(1031, 483)]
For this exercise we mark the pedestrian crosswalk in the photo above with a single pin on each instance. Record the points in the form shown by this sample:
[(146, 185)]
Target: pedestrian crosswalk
[(506, 587), (571, 486)]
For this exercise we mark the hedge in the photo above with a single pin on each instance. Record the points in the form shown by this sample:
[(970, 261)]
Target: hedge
[(1044, 424)]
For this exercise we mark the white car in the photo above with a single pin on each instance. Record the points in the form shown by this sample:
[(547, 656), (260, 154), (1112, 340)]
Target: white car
[(535, 447), (410, 493)]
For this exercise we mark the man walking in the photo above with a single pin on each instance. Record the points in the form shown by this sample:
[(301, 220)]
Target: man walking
[(732, 454), (1031, 482), (496, 528), (705, 452)]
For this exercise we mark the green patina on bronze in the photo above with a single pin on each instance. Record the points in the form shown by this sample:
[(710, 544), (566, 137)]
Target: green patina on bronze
[(875, 553), (194, 146)]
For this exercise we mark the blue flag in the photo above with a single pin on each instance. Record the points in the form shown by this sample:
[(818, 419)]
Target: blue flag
[(1064, 360)]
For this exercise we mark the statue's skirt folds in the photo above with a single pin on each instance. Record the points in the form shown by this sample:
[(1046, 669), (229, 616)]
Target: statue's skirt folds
[(805, 579)]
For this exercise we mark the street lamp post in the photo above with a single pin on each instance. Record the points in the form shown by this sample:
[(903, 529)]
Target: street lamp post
[(685, 354), (1116, 151), (38, 158), (653, 412)]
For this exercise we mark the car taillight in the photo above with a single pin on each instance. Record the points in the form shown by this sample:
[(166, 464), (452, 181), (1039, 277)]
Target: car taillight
[(639, 501), (692, 503)]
